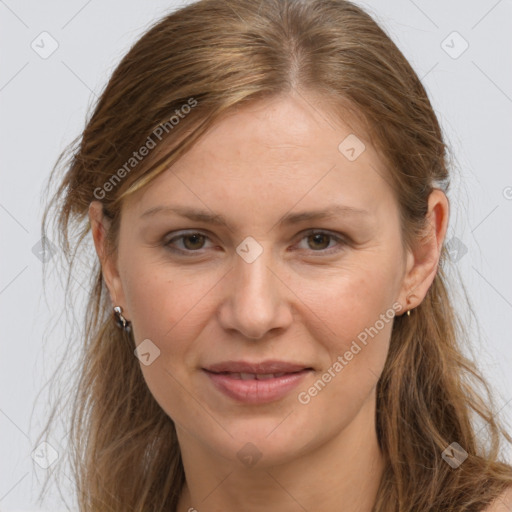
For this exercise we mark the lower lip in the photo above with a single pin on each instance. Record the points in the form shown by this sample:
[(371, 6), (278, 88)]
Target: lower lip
[(256, 391)]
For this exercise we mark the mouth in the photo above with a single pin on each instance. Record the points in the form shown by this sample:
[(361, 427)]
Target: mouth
[(267, 367), (253, 376), (256, 383)]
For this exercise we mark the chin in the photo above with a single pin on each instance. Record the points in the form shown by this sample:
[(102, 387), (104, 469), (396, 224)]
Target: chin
[(265, 442)]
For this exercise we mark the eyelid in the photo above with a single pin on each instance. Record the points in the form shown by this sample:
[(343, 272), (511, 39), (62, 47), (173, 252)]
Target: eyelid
[(338, 237), (186, 232)]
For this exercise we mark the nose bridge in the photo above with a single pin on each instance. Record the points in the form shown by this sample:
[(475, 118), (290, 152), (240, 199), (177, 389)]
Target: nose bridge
[(256, 302), (253, 277)]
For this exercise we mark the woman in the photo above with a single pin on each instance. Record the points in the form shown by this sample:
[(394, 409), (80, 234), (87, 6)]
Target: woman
[(270, 325)]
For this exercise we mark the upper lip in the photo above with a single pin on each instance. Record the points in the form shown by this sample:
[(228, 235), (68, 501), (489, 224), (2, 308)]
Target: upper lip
[(263, 367)]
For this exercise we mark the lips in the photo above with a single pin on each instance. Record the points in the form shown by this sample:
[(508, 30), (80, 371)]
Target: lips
[(256, 383), (254, 376), (269, 367)]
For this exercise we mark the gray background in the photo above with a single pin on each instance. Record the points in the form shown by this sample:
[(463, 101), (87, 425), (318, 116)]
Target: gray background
[(44, 102)]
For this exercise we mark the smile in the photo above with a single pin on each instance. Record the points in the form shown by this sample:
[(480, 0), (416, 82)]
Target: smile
[(256, 388)]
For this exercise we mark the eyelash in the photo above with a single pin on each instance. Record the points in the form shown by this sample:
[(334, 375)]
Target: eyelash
[(188, 253)]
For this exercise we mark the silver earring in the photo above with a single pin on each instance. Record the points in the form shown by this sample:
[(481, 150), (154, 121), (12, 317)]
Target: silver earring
[(121, 321)]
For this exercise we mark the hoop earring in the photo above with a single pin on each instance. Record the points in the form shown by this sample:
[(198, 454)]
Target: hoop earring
[(121, 321)]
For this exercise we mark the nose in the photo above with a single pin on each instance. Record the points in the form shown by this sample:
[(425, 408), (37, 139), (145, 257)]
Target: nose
[(256, 298)]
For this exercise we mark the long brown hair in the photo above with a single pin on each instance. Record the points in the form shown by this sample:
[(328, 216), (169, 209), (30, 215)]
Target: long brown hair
[(197, 64)]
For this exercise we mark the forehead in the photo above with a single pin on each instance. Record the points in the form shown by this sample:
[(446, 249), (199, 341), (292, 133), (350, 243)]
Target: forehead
[(278, 152), (285, 129)]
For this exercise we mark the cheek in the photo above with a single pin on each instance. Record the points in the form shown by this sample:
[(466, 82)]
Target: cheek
[(356, 300), (358, 310), (358, 350), (169, 307), (162, 299), (166, 308), (361, 322)]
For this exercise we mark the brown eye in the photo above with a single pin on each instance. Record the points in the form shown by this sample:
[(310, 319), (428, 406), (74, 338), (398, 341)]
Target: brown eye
[(319, 241), (195, 241), (187, 243), (322, 242)]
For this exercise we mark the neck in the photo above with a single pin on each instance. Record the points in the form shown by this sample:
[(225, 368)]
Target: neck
[(342, 474)]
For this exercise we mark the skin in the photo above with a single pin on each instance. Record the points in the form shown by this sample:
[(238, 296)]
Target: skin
[(293, 303), (503, 503)]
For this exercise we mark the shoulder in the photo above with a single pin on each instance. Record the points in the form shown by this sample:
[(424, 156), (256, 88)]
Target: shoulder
[(502, 503)]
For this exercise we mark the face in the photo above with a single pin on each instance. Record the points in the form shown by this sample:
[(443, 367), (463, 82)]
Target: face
[(265, 285)]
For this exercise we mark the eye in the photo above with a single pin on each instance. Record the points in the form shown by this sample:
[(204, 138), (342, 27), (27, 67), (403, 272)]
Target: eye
[(190, 242), (316, 241), (319, 241)]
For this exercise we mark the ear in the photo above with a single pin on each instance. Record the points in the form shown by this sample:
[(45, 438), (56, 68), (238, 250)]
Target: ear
[(100, 224), (423, 260)]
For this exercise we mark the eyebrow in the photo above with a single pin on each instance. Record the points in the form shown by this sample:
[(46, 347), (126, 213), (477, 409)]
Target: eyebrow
[(288, 219)]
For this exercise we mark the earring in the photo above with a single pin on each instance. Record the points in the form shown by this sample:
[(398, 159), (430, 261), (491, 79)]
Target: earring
[(408, 311), (121, 321)]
